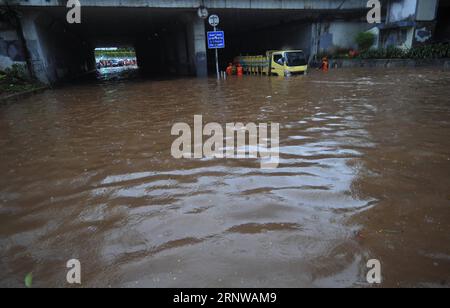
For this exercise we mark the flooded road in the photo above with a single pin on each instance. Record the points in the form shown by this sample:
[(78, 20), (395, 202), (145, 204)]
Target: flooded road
[(87, 173)]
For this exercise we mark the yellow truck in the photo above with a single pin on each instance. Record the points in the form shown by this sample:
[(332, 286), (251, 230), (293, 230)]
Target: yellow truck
[(275, 62)]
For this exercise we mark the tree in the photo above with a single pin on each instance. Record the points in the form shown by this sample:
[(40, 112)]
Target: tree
[(365, 40)]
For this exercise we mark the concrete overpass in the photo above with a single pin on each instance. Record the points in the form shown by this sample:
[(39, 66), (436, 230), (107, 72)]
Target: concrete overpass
[(212, 4), (168, 35)]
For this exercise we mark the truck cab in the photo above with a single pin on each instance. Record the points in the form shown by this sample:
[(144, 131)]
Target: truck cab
[(287, 62)]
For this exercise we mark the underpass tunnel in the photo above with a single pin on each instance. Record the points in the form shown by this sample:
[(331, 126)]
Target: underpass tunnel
[(253, 32), (164, 40), (172, 42), (167, 41)]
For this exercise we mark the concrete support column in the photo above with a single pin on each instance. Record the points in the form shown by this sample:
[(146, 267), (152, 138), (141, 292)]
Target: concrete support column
[(56, 53), (197, 46), (34, 44)]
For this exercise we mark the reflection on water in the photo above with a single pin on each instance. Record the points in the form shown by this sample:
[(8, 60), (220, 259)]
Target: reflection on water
[(117, 73), (365, 156)]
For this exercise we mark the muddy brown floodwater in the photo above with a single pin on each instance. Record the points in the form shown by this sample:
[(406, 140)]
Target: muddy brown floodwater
[(87, 173)]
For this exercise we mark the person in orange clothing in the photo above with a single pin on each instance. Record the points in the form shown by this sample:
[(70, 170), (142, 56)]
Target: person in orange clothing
[(325, 65), (230, 69), (240, 70)]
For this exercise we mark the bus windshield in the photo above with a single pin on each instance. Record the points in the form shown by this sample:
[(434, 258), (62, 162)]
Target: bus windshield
[(296, 58)]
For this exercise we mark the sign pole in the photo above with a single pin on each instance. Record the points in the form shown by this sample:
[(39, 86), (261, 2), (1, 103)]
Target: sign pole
[(216, 40), (217, 59)]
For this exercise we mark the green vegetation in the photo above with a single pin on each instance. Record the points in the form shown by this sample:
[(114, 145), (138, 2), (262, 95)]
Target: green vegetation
[(29, 280), (16, 80), (119, 53), (426, 52), (384, 53), (365, 40)]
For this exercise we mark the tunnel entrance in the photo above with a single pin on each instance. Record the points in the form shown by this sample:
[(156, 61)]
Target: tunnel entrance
[(165, 41), (160, 38)]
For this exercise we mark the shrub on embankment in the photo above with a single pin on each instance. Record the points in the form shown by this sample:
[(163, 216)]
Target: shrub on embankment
[(425, 52), (365, 40), (15, 80)]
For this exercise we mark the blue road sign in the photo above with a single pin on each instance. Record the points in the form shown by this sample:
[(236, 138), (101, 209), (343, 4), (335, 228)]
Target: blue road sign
[(216, 40)]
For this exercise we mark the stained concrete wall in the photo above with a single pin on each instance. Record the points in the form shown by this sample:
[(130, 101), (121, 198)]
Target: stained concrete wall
[(329, 36), (401, 10), (197, 46), (409, 23), (56, 54), (412, 10), (426, 10), (402, 37), (344, 33), (11, 50)]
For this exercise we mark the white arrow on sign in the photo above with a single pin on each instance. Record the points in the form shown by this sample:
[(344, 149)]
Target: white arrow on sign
[(214, 20)]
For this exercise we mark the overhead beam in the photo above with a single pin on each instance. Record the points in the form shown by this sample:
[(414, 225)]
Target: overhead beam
[(214, 4)]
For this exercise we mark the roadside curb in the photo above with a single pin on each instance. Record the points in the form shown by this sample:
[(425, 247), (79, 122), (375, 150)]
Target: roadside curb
[(22, 95)]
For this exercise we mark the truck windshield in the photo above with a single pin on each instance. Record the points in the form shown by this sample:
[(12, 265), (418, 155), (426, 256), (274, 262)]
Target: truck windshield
[(295, 59)]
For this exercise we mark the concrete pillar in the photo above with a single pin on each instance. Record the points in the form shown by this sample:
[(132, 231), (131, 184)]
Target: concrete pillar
[(55, 54), (316, 29), (34, 44), (197, 46)]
